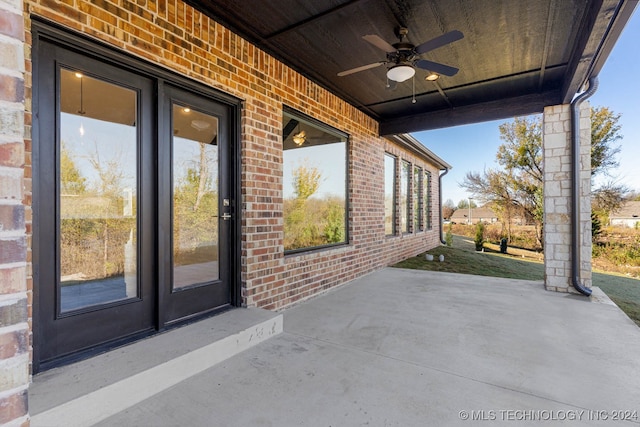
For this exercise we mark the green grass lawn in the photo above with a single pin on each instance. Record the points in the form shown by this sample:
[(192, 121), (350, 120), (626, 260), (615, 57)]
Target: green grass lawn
[(625, 292), (519, 264)]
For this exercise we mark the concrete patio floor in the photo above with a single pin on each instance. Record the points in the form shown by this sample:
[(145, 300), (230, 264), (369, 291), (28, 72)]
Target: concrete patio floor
[(394, 348)]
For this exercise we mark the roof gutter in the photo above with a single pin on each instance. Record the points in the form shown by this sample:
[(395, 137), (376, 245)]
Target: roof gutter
[(410, 142), (446, 171), (575, 187)]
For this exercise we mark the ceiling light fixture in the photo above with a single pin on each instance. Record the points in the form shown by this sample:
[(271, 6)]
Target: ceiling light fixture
[(413, 97), (299, 138), (81, 110), (200, 125), (432, 77), (400, 73)]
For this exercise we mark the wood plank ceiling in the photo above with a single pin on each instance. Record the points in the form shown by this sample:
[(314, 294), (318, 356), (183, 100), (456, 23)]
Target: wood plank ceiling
[(516, 57)]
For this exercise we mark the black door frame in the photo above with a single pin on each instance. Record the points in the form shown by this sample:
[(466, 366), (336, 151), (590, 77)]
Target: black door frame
[(43, 30), (128, 317), (176, 305)]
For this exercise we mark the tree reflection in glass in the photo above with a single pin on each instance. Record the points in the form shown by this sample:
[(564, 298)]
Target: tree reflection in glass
[(97, 191), (315, 183), (195, 197)]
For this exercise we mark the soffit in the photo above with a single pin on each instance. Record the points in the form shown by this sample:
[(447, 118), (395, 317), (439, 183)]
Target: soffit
[(516, 57)]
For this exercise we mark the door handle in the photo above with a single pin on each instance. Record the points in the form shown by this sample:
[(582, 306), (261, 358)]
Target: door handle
[(226, 216)]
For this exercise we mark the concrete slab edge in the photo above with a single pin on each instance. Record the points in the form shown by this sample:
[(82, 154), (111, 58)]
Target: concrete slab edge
[(598, 296), (110, 400)]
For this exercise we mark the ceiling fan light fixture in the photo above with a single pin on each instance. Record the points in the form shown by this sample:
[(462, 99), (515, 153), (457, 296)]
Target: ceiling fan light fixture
[(299, 138), (400, 73), (432, 77), (200, 125)]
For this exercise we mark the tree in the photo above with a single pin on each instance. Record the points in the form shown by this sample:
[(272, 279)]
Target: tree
[(519, 184), (498, 188), (306, 181), (71, 180), (302, 217), (448, 208), (479, 237), (464, 204), (607, 198), (596, 226), (518, 187), (605, 132), (110, 174), (195, 210), (204, 180), (312, 221)]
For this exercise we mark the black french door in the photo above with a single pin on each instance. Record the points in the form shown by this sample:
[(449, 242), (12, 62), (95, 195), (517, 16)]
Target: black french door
[(132, 204), (195, 254)]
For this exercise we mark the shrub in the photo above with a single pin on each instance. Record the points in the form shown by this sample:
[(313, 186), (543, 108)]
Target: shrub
[(448, 238), (493, 234), (479, 239), (596, 226)]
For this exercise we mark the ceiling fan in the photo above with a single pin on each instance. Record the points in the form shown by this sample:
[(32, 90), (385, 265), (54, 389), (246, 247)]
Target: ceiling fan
[(404, 57)]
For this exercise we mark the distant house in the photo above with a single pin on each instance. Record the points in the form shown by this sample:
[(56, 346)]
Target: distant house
[(473, 216), (627, 216)]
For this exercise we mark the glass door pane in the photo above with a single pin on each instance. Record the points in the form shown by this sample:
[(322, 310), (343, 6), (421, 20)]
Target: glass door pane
[(97, 192), (195, 197)]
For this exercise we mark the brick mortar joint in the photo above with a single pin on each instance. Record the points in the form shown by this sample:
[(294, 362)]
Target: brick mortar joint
[(11, 72), (11, 202), (16, 139), (12, 235), (16, 360), (14, 391), (22, 326), (12, 105), (11, 169), (14, 298), (13, 265), (4, 37), (8, 7)]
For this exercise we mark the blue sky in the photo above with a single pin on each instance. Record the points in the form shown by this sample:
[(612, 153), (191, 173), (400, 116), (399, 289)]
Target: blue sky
[(473, 147)]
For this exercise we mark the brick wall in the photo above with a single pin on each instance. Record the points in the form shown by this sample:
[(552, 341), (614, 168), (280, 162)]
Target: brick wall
[(177, 37), (14, 327), (557, 196)]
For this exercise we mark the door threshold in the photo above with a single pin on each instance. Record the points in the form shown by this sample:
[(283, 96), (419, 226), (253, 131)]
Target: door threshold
[(94, 389)]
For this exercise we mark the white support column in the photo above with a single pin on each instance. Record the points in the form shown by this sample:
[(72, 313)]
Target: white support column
[(557, 196)]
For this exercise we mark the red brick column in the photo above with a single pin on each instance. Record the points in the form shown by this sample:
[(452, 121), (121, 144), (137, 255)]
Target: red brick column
[(14, 327)]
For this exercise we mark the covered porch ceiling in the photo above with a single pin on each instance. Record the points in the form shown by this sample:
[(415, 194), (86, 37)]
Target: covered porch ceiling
[(516, 56)]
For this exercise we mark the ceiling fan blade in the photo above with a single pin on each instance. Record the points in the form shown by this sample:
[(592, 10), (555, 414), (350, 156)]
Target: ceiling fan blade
[(391, 84), (379, 43), (439, 41), (291, 125), (436, 67), (362, 68)]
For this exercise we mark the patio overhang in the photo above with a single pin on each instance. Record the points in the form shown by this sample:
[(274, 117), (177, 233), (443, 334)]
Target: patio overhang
[(516, 57)]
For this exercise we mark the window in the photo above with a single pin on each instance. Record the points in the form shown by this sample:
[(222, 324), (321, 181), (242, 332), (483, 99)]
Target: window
[(405, 217), (98, 191), (195, 196), (315, 183), (418, 213), (389, 195), (427, 199)]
